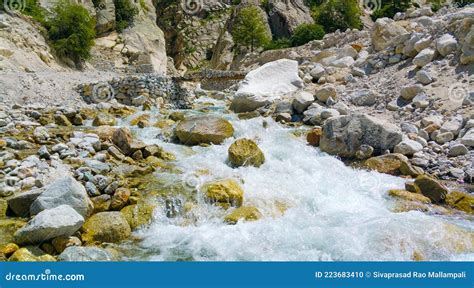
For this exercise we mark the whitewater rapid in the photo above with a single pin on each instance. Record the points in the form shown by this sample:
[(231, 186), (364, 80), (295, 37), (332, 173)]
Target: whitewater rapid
[(334, 212)]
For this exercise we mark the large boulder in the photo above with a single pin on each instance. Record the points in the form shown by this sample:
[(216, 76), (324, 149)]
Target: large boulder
[(108, 227), (245, 152), (20, 203), (85, 254), (266, 84), (446, 44), (224, 193), (124, 140), (204, 130), (64, 191), (384, 31), (49, 224), (344, 135), (431, 188)]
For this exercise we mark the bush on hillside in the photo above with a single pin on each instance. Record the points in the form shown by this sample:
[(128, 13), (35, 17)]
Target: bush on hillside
[(338, 14), (125, 13), (305, 33), (71, 31), (391, 7)]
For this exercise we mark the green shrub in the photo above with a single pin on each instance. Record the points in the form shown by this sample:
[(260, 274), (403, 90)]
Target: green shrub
[(249, 29), (125, 13), (305, 33), (71, 31), (338, 14), (390, 8), (462, 3), (280, 43)]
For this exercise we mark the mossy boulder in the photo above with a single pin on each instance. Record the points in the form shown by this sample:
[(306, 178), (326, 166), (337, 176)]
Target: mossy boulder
[(108, 227), (3, 207), (388, 164), (9, 249), (243, 213), (8, 227), (62, 120), (142, 120), (224, 193), (104, 119), (431, 188), (31, 254), (461, 201), (409, 196), (138, 215), (204, 130), (245, 152)]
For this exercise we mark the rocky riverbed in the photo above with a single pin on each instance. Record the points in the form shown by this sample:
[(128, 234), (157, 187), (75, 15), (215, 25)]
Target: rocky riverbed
[(355, 147)]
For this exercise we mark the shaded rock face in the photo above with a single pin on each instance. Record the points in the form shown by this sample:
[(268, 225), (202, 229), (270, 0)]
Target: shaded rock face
[(204, 130), (48, 224), (431, 188), (285, 16), (344, 135)]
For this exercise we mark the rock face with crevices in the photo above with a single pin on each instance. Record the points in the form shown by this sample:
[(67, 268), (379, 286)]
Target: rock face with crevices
[(344, 135)]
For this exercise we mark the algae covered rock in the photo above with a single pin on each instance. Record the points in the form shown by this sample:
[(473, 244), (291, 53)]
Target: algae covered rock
[(389, 164), (204, 130), (225, 192), (106, 227), (409, 196), (104, 119), (245, 152), (31, 254), (243, 213), (461, 201), (431, 188), (138, 215)]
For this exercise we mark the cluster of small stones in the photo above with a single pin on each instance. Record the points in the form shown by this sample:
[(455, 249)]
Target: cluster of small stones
[(136, 90)]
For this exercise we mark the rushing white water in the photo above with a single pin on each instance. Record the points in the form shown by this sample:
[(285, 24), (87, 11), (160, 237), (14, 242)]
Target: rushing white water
[(335, 212)]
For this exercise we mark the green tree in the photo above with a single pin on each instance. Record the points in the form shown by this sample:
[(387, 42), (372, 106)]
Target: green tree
[(338, 14), (249, 29), (391, 7), (125, 13), (71, 31), (305, 33)]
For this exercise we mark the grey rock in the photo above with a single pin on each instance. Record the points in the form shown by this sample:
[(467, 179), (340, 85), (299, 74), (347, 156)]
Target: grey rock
[(48, 224), (424, 77), (344, 135), (408, 147), (457, 150), (364, 97), (84, 254), (409, 92), (97, 166), (62, 191), (20, 203), (302, 101)]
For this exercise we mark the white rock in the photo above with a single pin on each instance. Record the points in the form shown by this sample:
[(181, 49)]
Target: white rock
[(408, 147), (364, 97), (344, 62), (302, 101), (325, 92), (457, 150), (423, 77), (446, 44), (48, 224), (318, 71), (266, 84), (424, 57)]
